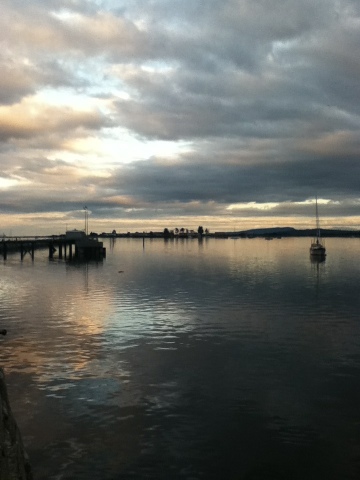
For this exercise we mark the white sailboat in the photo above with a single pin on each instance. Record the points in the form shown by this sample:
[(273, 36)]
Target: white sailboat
[(317, 248)]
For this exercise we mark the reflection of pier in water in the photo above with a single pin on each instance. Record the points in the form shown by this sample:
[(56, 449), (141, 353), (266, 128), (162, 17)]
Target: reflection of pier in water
[(84, 248)]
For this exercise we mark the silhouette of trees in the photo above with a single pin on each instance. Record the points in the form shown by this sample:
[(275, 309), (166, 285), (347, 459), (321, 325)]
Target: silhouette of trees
[(168, 233), (184, 232)]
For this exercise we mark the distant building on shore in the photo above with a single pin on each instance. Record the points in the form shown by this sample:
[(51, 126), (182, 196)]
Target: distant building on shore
[(75, 234)]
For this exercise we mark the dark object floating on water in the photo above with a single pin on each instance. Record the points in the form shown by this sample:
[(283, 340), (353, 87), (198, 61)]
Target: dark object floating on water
[(3, 332), (121, 271)]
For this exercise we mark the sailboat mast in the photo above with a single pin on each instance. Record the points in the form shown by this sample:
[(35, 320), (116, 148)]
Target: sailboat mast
[(317, 249), (317, 220)]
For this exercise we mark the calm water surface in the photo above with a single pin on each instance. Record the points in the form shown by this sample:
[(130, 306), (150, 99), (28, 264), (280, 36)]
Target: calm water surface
[(221, 359)]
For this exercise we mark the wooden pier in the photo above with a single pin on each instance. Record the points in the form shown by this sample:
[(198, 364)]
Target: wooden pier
[(84, 248)]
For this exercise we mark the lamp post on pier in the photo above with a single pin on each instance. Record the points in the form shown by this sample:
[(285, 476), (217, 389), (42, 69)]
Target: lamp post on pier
[(86, 220)]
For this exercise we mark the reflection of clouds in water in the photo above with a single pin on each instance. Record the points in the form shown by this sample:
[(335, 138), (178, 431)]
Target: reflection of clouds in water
[(141, 314), (206, 345), (8, 287), (58, 327)]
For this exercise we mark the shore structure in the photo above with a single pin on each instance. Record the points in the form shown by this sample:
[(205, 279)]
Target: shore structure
[(74, 245)]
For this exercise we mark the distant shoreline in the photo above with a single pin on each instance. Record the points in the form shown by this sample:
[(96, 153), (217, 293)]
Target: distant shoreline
[(276, 232), (272, 232)]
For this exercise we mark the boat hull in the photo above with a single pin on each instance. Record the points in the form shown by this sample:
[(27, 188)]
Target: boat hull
[(317, 250)]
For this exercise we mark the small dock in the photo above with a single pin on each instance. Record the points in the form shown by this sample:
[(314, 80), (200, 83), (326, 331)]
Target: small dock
[(61, 247)]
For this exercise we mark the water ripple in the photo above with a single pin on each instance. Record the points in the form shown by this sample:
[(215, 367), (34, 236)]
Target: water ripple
[(195, 362)]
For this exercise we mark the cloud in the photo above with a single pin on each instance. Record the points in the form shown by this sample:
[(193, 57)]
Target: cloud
[(32, 123), (263, 94)]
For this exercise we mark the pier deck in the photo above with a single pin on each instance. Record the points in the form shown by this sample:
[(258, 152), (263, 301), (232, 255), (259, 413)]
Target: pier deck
[(84, 248)]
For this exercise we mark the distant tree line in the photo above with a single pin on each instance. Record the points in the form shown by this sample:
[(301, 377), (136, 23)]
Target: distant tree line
[(183, 232)]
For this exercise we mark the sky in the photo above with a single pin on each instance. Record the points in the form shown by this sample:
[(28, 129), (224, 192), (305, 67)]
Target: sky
[(230, 114)]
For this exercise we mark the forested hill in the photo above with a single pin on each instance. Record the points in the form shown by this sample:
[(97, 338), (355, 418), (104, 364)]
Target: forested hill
[(293, 232)]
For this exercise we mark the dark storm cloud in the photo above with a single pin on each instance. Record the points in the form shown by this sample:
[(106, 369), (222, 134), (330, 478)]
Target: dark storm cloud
[(155, 182)]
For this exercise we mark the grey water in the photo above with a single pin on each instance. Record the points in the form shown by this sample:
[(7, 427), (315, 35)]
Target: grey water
[(186, 359)]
